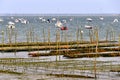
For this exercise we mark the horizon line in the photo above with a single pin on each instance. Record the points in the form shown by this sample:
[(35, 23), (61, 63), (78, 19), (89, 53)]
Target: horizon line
[(56, 14)]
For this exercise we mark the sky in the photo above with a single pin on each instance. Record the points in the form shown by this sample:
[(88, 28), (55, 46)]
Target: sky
[(59, 6)]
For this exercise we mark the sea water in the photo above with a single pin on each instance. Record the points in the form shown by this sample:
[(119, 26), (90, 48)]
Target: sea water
[(40, 27)]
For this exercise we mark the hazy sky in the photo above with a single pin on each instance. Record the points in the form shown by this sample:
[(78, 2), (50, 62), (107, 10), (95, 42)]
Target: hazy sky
[(59, 6)]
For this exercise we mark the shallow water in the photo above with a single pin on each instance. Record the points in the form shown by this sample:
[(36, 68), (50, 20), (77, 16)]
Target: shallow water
[(104, 74), (53, 58), (37, 26)]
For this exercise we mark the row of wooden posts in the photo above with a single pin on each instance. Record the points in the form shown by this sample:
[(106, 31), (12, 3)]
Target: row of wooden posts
[(93, 34), (70, 67), (12, 34)]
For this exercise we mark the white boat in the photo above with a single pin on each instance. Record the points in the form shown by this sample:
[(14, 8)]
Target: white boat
[(115, 20), (101, 18), (40, 18), (16, 20), (24, 21), (88, 27), (11, 23), (1, 20), (53, 19), (70, 19), (43, 20), (59, 24), (64, 21), (12, 17), (89, 19)]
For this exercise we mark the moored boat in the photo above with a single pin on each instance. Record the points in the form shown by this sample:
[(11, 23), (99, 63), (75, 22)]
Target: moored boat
[(88, 27)]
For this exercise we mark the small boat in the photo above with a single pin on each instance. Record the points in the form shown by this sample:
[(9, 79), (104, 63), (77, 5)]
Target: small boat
[(115, 20), (1, 20), (43, 19), (40, 18), (34, 54), (11, 25), (53, 19), (38, 53), (88, 27), (59, 24), (64, 28), (48, 20), (16, 20), (89, 19), (64, 21), (24, 21), (70, 19), (101, 18)]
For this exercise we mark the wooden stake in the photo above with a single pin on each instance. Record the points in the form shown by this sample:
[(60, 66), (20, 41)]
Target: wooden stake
[(107, 34), (96, 53)]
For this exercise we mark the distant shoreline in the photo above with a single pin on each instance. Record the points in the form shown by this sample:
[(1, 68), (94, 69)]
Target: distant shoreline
[(16, 14)]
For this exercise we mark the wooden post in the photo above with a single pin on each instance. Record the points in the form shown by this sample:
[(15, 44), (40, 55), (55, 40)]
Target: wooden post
[(57, 43), (81, 36), (107, 35), (62, 37), (15, 36), (9, 35), (119, 42), (77, 37), (37, 40), (44, 35), (15, 32), (2, 37), (33, 34), (90, 35), (49, 42), (30, 33), (96, 52), (27, 38), (113, 35)]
